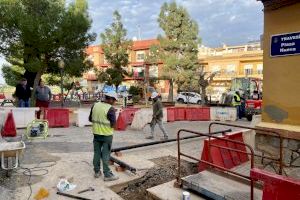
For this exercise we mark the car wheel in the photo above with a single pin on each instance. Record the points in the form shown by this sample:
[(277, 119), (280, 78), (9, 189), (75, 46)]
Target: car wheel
[(181, 101), (199, 102)]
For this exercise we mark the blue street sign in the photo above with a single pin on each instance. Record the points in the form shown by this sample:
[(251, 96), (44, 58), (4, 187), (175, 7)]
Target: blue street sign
[(285, 44)]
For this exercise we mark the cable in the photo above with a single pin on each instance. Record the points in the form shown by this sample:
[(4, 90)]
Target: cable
[(29, 172)]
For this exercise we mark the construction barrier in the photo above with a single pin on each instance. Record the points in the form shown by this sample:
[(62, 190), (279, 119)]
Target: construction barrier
[(197, 114), (276, 186), (144, 117), (129, 114), (9, 128), (22, 116), (223, 157), (180, 114), (223, 113), (57, 117), (82, 117), (171, 114)]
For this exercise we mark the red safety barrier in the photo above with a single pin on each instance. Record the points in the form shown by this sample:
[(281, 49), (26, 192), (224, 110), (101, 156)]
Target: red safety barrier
[(9, 128), (2, 96), (277, 187), (223, 157), (171, 114), (128, 114), (121, 124), (179, 114), (57, 117), (197, 114)]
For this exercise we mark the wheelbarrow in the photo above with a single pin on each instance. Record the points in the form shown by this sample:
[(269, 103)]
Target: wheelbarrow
[(11, 150)]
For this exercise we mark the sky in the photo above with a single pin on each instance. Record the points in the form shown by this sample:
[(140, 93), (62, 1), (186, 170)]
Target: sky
[(220, 22)]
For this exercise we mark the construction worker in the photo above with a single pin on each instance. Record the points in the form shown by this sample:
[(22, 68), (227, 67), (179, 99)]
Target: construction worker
[(236, 102), (103, 118), (157, 116)]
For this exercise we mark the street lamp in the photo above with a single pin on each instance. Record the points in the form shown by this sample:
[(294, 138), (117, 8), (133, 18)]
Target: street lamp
[(61, 65)]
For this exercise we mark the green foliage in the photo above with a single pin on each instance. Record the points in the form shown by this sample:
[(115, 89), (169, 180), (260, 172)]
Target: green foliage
[(179, 46), (136, 98), (12, 74), (40, 33), (134, 90), (115, 46)]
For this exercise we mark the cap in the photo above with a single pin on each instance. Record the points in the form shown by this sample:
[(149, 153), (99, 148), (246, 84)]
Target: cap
[(112, 95), (154, 95)]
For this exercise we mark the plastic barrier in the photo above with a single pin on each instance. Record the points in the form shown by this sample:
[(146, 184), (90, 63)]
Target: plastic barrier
[(223, 157), (9, 127), (171, 114), (129, 114), (57, 117), (198, 114), (144, 117), (22, 116), (82, 117), (276, 186), (223, 114), (179, 114)]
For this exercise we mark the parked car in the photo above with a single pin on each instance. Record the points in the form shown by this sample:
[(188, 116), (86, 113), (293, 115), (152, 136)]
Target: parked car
[(189, 97)]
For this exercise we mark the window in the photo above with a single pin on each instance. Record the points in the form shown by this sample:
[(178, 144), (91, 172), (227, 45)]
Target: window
[(140, 56), (248, 69), (138, 72), (230, 69), (215, 68), (153, 71), (259, 69)]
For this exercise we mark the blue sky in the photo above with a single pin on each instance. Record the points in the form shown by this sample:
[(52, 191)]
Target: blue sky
[(220, 21)]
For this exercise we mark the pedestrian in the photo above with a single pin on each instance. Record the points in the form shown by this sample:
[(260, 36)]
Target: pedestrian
[(23, 93), (103, 118), (157, 116), (238, 104), (43, 97)]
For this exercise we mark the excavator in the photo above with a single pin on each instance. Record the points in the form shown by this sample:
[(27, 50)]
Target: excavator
[(250, 90)]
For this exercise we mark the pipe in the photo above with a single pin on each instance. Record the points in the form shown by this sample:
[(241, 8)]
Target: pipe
[(72, 196), (123, 164), (163, 141)]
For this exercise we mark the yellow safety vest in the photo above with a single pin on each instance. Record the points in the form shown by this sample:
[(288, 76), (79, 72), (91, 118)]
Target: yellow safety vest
[(101, 125), (236, 102)]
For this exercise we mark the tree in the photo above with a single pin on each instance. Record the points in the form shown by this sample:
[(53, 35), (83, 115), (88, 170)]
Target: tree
[(115, 46), (204, 80), (179, 45), (40, 33)]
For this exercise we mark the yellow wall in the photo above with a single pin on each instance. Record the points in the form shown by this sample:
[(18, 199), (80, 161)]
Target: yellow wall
[(281, 92)]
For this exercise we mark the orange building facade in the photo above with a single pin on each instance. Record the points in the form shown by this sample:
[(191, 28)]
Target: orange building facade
[(137, 65), (229, 61)]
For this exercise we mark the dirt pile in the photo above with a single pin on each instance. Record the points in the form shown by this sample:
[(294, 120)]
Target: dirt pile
[(164, 171)]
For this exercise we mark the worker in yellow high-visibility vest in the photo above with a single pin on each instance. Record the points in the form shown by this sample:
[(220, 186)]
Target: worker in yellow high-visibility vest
[(103, 118), (236, 102)]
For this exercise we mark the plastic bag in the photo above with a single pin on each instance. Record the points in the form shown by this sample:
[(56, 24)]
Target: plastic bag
[(64, 185)]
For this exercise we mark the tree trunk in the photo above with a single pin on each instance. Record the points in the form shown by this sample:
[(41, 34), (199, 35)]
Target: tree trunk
[(203, 95), (171, 88)]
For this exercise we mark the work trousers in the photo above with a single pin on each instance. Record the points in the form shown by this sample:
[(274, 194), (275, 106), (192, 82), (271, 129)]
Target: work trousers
[(42, 105), (160, 124), (102, 148)]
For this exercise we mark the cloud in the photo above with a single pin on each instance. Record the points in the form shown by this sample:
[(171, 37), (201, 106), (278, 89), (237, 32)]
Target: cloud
[(229, 21)]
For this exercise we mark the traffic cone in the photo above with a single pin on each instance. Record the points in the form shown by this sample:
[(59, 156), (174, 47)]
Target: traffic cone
[(9, 128), (121, 124)]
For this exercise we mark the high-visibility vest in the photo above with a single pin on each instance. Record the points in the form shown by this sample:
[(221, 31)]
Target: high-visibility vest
[(101, 125), (236, 100)]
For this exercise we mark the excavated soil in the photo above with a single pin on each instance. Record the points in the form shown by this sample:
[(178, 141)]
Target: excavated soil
[(164, 171)]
